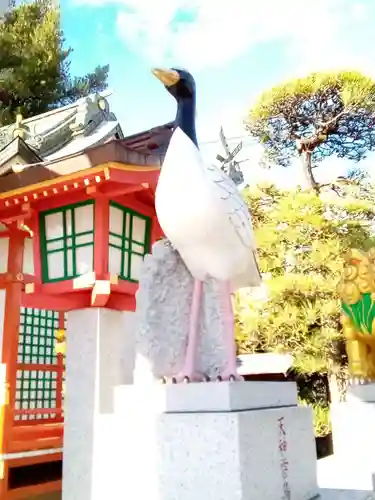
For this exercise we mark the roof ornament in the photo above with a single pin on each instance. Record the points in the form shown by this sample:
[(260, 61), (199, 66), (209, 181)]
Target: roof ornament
[(19, 130), (91, 111)]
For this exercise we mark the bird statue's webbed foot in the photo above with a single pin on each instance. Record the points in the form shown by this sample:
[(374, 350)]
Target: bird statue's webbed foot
[(229, 376), (185, 377)]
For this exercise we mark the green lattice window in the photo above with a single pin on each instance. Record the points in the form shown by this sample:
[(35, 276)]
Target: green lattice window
[(67, 241), (36, 389), (37, 336), (129, 240)]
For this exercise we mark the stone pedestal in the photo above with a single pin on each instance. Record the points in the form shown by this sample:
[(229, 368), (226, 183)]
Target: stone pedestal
[(353, 428), (100, 356), (213, 441)]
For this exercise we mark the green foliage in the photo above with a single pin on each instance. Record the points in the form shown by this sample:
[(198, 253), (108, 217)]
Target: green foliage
[(34, 65), (354, 89), (323, 114), (321, 417), (301, 238)]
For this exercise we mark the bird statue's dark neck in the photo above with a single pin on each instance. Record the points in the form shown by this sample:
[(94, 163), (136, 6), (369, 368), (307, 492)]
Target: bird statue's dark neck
[(185, 118)]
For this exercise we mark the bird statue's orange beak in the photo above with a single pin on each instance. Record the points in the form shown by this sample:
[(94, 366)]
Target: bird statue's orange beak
[(168, 77)]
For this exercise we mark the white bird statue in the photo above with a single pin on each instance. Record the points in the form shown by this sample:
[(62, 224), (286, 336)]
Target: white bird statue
[(205, 218)]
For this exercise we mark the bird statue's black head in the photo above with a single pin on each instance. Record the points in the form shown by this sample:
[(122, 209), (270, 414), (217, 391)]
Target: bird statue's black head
[(178, 82), (181, 85)]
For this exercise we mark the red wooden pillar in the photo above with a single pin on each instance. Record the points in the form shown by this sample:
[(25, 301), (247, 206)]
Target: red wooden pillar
[(156, 231), (13, 301), (101, 236)]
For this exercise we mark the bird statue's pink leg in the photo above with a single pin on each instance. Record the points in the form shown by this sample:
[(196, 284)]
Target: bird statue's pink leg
[(230, 372), (188, 372)]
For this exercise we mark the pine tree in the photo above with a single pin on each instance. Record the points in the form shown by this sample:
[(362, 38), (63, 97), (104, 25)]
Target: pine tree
[(34, 64), (321, 115), (302, 238)]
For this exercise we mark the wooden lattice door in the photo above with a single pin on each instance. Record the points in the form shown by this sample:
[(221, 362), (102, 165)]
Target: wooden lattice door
[(39, 369)]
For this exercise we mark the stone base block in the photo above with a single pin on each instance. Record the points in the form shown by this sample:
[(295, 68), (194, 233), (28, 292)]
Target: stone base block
[(338, 475), (217, 453), (353, 427), (223, 396), (99, 358)]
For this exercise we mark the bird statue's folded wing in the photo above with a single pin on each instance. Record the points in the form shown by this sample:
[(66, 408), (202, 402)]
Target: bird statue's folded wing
[(233, 205)]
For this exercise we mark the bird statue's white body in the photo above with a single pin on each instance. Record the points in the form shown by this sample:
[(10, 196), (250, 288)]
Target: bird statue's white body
[(206, 220), (204, 216)]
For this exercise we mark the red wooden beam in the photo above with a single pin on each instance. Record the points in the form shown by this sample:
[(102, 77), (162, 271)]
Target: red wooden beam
[(80, 285), (31, 491), (134, 176), (61, 186), (37, 411), (23, 430), (37, 367), (113, 190), (133, 203), (15, 213), (121, 302), (63, 302), (125, 287), (146, 196)]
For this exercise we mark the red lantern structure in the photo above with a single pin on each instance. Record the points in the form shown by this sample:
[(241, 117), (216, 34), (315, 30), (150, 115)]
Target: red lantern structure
[(73, 234)]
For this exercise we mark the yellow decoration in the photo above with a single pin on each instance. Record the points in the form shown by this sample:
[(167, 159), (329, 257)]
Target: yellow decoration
[(60, 346), (357, 294), (18, 131)]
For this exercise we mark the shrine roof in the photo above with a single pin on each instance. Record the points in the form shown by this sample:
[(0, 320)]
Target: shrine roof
[(67, 129), (140, 151)]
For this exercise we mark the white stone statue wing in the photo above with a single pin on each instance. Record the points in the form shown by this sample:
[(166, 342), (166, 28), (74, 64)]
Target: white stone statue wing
[(185, 168), (233, 204)]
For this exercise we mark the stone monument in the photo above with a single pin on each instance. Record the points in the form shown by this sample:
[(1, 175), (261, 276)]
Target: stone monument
[(214, 440), (214, 436)]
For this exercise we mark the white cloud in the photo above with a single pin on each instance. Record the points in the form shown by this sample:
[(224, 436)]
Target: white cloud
[(325, 34), (342, 41), (202, 33)]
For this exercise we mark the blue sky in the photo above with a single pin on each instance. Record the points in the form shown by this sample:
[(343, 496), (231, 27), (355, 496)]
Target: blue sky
[(235, 49)]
